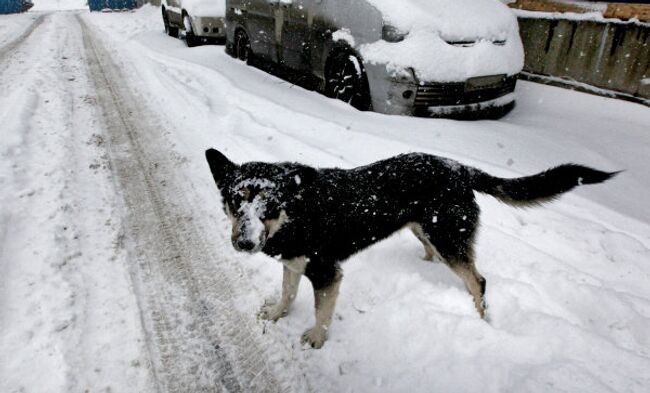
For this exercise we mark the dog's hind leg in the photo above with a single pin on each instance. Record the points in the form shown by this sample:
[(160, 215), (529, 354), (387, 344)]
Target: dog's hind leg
[(452, 236), (429, 250), (474, 282), (463, 267), (290, 283)]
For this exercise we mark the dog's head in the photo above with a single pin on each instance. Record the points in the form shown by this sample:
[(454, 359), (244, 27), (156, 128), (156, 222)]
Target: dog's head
[(257, 196)]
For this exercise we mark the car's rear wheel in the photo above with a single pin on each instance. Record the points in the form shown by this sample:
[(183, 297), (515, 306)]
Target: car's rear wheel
[(169, 29), (346, 80), (190, 38), (242, 46)]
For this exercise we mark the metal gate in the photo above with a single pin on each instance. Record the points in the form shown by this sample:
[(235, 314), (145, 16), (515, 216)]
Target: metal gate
[(100, 5)]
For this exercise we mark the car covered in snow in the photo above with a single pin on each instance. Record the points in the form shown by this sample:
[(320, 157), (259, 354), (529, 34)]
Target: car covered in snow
[(198, 21), (411, 57)]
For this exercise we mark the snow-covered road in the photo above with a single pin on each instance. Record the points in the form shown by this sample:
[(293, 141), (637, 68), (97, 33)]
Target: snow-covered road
[(64, 291), (116, 269)]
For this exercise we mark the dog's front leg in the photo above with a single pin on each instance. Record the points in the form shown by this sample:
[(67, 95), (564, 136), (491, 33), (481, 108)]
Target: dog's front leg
[(290, 282), (325, 301)]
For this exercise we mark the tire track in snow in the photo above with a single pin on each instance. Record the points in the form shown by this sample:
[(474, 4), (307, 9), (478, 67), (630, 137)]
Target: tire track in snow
[(7, 49), (197, 339)]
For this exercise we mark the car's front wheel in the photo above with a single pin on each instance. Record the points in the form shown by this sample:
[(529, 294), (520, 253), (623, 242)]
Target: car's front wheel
[(242, 46), (347, 81), (169, 29)]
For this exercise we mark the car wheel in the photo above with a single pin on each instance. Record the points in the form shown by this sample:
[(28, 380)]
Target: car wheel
[(346, 81), (169, 29), (190, 38), (242, 46)]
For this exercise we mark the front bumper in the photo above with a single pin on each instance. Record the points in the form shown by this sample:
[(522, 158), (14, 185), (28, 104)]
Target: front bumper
[(209, 27), (404, 95)]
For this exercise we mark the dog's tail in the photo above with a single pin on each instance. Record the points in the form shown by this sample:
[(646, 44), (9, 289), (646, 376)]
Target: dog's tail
[(536, 189)]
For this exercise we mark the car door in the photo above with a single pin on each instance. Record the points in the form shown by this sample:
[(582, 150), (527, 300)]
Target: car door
[(260, 25), (295, 51)]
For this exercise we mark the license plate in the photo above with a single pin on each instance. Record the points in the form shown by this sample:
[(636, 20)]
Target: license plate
[(484, 82)]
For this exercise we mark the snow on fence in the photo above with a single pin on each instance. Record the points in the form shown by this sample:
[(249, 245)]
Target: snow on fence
[(608, 54), (14, 6), (101, 5)]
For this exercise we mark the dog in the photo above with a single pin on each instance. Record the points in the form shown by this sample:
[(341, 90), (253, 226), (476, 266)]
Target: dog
[(314, 219)]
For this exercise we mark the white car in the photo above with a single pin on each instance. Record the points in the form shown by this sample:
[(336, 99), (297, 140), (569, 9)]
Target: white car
[(411, 57), (200, 21)]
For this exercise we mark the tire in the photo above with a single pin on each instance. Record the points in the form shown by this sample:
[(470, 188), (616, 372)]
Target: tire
[(347, 81), (169, 29), (242, 47), (190, 38)]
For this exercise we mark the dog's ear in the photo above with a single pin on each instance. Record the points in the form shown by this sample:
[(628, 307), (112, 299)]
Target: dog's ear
[(220, 165)]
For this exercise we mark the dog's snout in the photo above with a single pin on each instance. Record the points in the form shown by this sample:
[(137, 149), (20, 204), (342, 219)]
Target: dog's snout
[(245, 245)]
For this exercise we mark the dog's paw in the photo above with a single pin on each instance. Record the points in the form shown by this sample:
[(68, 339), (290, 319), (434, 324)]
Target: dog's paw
[(315, 337), (272, 312)]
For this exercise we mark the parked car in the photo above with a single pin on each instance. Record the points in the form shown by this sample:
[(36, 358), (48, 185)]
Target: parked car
[(410, 57), (200, 21), (15, 6)]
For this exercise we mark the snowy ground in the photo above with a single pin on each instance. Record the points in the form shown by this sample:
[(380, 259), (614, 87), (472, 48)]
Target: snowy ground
[(117, 272), (13, 27)]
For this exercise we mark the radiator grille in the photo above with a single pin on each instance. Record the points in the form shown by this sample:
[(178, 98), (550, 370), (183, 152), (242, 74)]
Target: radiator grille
[(462, 93)]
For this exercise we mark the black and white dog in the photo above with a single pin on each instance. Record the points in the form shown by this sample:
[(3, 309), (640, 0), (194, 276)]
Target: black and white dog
[(313, 219)]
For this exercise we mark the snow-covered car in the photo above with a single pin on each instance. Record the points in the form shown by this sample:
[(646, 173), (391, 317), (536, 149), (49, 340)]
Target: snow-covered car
[(411, 57), (200, 21)]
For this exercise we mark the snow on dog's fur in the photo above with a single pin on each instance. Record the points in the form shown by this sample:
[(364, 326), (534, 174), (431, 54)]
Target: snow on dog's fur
[(313, 219)]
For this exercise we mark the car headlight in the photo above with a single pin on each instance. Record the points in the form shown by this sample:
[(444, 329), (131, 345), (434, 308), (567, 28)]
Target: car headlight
[(392, 34)]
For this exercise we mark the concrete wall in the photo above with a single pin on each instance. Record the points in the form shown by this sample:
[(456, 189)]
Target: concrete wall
[(614, 56)]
